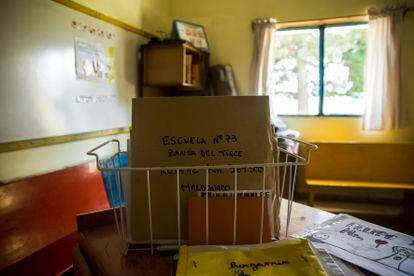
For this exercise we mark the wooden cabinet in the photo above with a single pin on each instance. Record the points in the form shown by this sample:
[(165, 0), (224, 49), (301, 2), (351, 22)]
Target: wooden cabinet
[(173, 66)]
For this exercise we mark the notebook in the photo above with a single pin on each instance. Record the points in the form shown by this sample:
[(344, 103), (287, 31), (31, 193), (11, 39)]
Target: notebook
[(286, 257)]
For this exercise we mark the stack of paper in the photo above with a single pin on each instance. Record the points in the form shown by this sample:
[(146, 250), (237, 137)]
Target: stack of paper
[(372, 247)]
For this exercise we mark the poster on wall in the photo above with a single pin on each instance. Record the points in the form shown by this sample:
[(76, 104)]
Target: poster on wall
[(193, 33), (94, 61)]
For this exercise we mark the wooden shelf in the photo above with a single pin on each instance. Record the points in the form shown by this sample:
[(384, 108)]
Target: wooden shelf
[(174, 65)]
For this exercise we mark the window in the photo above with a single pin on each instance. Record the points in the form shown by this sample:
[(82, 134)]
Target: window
[(319, 70)]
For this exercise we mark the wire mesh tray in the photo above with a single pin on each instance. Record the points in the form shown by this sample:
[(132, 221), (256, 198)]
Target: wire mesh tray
[(290, 153)]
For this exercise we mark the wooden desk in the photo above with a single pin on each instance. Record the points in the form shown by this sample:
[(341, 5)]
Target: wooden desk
[(99, 247)]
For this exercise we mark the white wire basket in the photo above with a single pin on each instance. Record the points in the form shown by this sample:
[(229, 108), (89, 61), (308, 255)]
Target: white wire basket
[(289, 155)]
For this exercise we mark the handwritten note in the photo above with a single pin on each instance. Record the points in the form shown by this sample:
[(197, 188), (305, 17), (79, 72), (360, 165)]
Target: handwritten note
[(287, 257), (171, 141)]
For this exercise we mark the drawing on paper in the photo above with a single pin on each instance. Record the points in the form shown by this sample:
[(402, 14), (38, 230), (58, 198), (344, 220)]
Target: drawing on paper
[(94, 61), (346, 236)]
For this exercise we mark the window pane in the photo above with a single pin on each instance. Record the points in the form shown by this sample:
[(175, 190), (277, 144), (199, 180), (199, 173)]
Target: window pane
[(295, 72), (344, 69)]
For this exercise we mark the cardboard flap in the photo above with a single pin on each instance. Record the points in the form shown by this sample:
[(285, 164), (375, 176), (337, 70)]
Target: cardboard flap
[(194, 131)]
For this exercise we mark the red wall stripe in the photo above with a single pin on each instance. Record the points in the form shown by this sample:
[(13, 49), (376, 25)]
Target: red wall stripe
[(40, 211)]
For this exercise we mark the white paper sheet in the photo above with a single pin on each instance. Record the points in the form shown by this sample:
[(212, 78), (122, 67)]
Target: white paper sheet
[(367, 245)]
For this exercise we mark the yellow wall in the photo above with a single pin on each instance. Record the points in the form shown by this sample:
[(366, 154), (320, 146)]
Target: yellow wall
[(228, 26), (148, 15)]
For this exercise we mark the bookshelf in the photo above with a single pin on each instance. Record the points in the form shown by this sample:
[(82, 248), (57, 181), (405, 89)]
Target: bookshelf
[(173, 66)]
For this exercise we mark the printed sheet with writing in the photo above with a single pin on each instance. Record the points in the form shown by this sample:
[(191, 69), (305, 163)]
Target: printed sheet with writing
[(367, 245)]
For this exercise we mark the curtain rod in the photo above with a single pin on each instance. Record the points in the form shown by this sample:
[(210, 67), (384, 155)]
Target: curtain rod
[(326, 18), (409, 9), (355, 17)]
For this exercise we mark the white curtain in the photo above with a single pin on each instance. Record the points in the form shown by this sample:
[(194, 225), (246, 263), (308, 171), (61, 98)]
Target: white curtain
[(263, 31), (262, 61), (383, 69)]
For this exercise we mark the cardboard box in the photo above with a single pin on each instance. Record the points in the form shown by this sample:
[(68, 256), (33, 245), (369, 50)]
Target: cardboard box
[(194, 131)]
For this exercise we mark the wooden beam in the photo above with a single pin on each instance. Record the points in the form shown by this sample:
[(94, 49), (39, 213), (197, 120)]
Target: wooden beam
[(359, 184), (83, 9), (32, 143)]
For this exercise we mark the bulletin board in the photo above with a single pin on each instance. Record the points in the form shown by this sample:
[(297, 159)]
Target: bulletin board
[(64, 72)]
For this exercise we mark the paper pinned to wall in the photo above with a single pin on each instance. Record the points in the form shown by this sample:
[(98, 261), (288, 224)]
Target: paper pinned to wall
[(94, 61)]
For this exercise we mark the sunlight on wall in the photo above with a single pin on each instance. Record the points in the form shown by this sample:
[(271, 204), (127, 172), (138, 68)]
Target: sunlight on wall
[(23, 163), (228, 27), (148, 15)]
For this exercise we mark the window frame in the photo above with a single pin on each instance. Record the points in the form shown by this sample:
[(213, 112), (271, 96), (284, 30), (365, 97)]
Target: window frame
[(321, 92)]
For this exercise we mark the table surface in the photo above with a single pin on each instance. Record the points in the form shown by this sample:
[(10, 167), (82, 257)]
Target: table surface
[(101, 247)]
